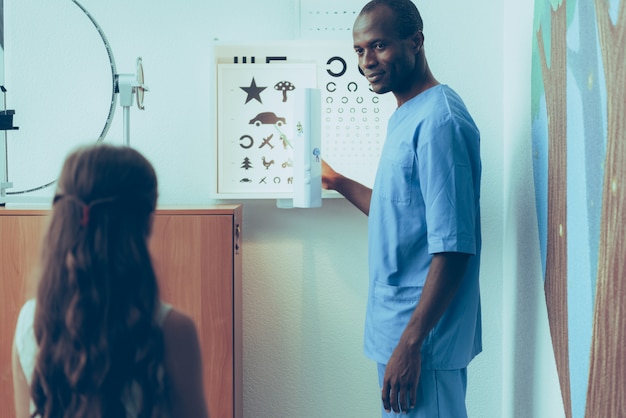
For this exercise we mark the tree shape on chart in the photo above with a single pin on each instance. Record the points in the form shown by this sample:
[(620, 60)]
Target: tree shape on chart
[(606, 396), (551, 37), (246, 164)]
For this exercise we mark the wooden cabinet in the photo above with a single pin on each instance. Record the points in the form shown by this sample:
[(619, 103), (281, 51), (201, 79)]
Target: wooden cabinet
[(197, 256)]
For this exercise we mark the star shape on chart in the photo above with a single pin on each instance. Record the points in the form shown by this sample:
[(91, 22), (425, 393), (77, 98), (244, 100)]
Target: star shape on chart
[(254, 92)]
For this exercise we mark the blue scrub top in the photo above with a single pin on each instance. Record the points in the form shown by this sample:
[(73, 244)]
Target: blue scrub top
[(425, 200)]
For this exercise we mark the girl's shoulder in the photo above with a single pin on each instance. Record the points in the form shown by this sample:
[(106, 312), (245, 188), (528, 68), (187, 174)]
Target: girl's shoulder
[(164, 310), (25, 342)]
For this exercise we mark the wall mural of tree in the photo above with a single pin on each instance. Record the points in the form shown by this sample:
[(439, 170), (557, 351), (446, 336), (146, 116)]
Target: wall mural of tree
[(552, 49), (607, 380), (579, 157)]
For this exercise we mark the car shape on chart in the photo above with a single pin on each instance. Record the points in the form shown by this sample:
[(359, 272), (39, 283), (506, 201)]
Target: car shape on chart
[(267, 118)]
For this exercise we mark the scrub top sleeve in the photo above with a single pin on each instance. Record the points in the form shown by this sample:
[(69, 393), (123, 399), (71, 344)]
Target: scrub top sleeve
[(447, 188)]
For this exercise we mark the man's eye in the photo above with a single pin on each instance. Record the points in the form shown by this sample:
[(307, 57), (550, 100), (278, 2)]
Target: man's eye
[(379, 46)]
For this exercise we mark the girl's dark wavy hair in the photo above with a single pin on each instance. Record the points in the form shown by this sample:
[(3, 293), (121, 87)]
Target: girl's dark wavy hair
[(407, 17), (98, 299)]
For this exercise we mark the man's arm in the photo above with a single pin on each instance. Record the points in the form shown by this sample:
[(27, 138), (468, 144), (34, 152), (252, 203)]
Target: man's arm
[(356, 193), (399, 390)]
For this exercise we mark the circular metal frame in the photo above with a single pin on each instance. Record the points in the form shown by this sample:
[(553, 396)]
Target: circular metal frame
[(109, 119)]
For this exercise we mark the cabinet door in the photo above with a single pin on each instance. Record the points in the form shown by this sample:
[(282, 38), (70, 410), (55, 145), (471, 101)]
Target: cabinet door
[(193, 255), (193, 258), (20, 244)]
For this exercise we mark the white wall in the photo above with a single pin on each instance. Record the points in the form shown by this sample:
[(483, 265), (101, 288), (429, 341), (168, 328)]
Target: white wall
[(305, 273), (531, 386)]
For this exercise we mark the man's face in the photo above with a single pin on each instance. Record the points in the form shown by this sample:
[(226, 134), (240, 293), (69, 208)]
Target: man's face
[(386, 59)]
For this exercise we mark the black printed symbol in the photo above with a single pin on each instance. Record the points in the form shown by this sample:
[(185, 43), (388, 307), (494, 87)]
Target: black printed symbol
[(341, 72), (246, 164), (267, 118), (249, 145), (266, 163), (284, 87), (270, 59), (254, 92), (266, 141), (244, 60)]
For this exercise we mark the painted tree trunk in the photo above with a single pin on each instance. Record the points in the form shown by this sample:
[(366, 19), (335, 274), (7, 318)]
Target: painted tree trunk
[(555, 86), (606, 396), (585, 71)]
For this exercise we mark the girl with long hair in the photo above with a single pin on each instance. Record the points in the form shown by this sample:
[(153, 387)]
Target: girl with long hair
[(97, 341)]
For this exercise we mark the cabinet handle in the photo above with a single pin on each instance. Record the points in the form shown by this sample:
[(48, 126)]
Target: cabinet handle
[(237, 236)]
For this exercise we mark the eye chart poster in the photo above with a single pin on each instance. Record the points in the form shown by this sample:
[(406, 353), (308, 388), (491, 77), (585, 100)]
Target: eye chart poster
[(255, 103), (257, 125)]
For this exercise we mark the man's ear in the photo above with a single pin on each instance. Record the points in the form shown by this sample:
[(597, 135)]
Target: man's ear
[(418, 41)]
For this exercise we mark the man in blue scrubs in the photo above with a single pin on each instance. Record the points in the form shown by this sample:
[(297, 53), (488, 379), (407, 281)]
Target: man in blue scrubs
[(423, 322)]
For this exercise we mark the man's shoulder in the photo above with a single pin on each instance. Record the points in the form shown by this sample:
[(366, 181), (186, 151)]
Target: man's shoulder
[(447, 107)]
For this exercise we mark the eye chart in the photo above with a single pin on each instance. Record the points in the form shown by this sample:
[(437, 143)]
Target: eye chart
[(255, 87), (256, 124), (328, 19)]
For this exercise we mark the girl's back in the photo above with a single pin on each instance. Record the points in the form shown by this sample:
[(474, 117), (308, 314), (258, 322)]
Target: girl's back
[(98, 342)]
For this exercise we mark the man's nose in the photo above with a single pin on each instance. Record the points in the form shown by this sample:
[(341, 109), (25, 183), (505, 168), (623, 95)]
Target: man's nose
[(368, 59)]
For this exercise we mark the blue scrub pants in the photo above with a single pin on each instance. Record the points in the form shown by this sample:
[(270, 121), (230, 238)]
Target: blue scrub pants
[(440, 394)]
